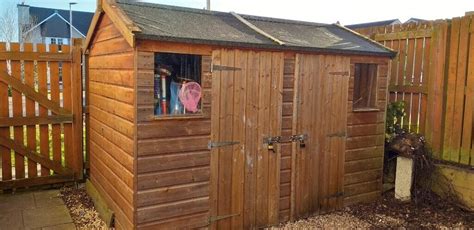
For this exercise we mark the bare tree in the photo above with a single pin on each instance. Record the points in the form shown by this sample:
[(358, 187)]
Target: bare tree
[(8, 24)]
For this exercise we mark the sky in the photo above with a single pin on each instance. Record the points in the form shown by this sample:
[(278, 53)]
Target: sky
[(327, 11)]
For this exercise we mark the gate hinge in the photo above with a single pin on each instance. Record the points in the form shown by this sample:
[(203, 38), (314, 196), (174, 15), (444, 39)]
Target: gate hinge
[(211, 144), (217, 218)]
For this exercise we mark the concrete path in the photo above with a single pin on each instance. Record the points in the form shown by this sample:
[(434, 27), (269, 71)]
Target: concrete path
[(39, 210)]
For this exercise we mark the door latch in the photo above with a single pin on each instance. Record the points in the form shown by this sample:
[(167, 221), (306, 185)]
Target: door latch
[(270, 141)]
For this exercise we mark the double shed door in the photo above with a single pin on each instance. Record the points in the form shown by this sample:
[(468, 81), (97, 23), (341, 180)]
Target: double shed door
[(246, 109)]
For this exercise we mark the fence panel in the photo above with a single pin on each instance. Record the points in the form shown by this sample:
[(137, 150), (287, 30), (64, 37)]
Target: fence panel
[(433, 74), (40, 113)]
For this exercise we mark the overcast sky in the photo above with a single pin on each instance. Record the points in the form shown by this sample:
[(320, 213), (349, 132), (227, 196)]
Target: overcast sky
[(327, 11)]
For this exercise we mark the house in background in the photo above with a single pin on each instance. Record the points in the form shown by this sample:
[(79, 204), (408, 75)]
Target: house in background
[(385, 23), (50, 26), (373, 24)]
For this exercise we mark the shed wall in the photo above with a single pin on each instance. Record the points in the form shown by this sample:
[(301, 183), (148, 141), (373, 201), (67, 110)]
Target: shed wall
[(112, 117), (365, 140), (173, 159)]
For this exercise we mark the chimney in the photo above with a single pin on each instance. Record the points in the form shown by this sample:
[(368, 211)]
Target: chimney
[(208, 5), (23, 19)]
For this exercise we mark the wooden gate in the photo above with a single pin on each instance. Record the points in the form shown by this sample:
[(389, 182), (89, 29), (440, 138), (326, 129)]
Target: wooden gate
[(322, 83), (40, 114), (246, 108)]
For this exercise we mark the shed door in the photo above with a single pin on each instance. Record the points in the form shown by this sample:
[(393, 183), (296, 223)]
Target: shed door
[(322, 91), (246, 108)]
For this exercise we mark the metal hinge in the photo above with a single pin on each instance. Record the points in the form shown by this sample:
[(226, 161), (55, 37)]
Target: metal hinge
[(211, 144), (339, 134), (223, 67), (217, 218)]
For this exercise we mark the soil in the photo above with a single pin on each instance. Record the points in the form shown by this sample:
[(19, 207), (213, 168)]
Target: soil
[(81, 208), (432, 212)]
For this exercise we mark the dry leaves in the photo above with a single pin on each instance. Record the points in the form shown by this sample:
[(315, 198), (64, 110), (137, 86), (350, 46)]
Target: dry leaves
[(81, 208)]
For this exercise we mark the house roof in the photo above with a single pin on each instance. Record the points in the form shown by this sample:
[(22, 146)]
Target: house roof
[(373, 24), (57, 26), (171, 23)]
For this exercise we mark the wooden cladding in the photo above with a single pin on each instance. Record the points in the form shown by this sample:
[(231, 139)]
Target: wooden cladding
[(41, 102)]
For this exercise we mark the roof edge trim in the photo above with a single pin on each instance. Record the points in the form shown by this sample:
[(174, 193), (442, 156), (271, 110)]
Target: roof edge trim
[(256, 29), (393, 52), (123, 23)]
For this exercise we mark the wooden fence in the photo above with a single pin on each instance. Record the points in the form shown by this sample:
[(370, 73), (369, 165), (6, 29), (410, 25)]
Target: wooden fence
[(40, 114), (434, 74)]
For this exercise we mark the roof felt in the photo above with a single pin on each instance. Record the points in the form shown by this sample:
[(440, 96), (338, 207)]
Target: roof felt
[(170, 23), (56, 27)]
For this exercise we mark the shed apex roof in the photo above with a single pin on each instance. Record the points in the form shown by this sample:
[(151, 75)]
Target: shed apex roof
[(180, 24)]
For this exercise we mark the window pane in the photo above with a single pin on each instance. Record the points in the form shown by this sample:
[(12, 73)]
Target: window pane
[(177, 81), (365, 86)]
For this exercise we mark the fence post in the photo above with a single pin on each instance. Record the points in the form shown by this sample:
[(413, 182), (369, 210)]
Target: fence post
[(77, 126), (434, 123)]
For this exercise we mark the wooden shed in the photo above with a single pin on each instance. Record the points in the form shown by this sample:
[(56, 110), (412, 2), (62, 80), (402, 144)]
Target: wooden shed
[(289, 122)]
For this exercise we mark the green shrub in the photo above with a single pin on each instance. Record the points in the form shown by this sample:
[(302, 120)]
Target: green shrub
[(395, 113)]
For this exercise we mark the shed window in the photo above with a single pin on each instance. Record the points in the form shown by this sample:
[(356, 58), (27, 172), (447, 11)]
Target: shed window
[(365, 86), (177, 84)]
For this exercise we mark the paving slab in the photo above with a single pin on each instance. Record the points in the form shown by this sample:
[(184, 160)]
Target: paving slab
[(11, 220), (47, 198), (46, 216), (17, 201)]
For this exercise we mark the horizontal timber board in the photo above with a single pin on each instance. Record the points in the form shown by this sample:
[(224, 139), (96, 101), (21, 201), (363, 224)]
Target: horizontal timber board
[(361, 177), (174, 177), (361, 188), (118, 139), (365, 129), (172, 145), (402, 35), (113, 77), (164, 211), (357, 118), (172, 161), (117, 123), (112, 61), (20, 121), (365, 141), (122, 94), (173, 128), (363, 165), (123, 211), (112, 106), (364, 153), (362, 198), (194, 221), (172, 194), (34, 56), (120, 171), (114, 151), (125, 191)]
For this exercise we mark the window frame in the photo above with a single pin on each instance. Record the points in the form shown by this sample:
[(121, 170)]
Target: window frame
[(187, 116), (372, 107)]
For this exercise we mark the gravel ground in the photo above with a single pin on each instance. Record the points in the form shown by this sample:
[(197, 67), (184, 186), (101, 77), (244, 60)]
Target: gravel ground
[(429, 213), (81, 208)]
